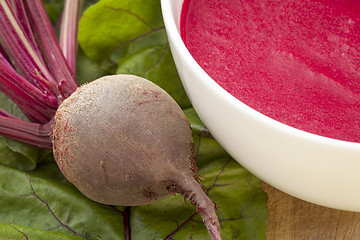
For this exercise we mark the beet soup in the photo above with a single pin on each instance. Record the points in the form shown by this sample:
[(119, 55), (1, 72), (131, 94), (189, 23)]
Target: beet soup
[(296, 61)]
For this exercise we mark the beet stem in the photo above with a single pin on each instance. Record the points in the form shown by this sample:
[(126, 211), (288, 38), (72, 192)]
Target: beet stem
[(26, 57), (6, 114), (36, 105), (69, 30), (49, 44), (19, 8), (31, 133), (4, 56)]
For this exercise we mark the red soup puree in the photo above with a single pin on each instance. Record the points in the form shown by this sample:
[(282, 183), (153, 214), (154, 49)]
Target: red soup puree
[(296, 61)]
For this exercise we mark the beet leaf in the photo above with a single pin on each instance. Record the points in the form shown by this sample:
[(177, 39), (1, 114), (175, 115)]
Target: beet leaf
[(54, 206), (128, 36)]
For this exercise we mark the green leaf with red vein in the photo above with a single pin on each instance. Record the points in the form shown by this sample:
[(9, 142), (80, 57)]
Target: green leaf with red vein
[(42, 201), (17, 232), (128, 36)]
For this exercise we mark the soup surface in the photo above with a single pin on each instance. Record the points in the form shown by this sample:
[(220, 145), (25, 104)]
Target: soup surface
[(296, 61)]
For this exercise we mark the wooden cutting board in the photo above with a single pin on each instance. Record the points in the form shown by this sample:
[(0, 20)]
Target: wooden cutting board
[(291, 218)]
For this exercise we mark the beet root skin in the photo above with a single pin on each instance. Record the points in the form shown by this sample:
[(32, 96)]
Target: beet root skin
[(121, 140), (115, 146)]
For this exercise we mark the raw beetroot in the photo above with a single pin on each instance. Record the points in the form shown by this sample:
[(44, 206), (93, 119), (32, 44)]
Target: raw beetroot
[(122, 140)]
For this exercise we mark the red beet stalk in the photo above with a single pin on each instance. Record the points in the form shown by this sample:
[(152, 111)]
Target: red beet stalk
[(43, 76)]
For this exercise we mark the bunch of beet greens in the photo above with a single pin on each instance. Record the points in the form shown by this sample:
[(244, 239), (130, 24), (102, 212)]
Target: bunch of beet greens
[(40, 73)]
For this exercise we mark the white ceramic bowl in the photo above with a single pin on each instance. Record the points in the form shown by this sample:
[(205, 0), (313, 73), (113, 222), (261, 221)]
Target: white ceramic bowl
[(314, 168)]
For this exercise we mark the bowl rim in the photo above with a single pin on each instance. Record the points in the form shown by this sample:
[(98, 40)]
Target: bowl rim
[(173, 32)]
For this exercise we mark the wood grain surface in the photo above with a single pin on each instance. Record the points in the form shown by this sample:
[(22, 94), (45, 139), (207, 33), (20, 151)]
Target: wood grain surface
[(291, 218)]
